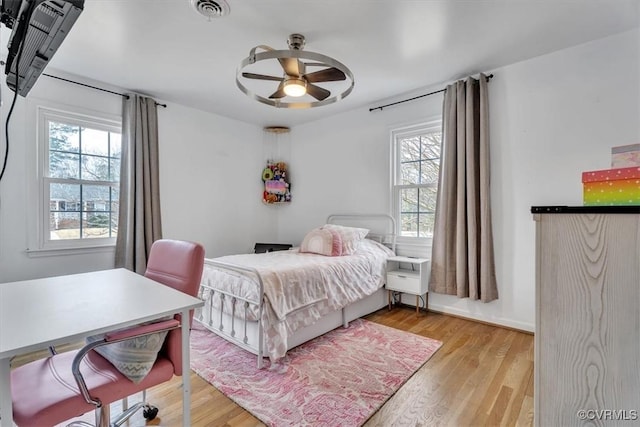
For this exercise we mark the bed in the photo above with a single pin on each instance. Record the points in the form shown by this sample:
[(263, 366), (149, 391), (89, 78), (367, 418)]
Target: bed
[(270, 302)]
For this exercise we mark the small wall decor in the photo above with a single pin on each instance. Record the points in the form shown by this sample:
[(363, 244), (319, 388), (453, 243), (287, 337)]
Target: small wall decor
[(275, 175), (276, 184)]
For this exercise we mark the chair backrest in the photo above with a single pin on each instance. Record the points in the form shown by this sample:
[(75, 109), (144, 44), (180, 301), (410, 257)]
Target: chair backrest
[(177, 264)]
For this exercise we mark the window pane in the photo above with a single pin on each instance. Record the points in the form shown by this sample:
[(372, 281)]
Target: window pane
[(64, 165), (429, 171), (97, 211), (431, 146), (114, 225), (425, 225), (65, 194), (95, 142), (409, 200), (114, 169), (64, 213), (428, 196), (115, 199), (95, 168), (409, 225), (64, 225), (410, 173), (96, 198), (410, 149), (96, 225), (115, 207), (63, 137), (116, 145)]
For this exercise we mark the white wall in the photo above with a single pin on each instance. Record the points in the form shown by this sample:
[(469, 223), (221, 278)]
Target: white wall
[(552, 117), (210, 180)]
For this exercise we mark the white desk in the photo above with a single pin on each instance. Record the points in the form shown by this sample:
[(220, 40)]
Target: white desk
[(35, 314)]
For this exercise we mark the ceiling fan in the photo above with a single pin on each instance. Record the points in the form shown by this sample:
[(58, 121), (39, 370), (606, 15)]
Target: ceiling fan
[(298, 77)]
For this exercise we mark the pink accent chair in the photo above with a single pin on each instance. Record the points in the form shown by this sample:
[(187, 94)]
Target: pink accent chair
[(49, 391)]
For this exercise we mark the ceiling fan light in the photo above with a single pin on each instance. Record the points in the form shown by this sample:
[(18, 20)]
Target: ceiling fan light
[(294, 87), (295, 82)]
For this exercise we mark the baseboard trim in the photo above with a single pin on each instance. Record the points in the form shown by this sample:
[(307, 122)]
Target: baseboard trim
[(502, 323), (484, 322)]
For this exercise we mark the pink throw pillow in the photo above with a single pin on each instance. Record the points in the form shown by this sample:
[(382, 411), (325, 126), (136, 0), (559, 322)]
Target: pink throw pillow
[(351, 236), (323, 242)]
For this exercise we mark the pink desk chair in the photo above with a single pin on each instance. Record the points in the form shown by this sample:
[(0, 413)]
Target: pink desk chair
[(49, 391)]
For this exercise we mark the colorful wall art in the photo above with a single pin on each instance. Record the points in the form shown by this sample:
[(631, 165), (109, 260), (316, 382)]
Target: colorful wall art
[(277, 188)]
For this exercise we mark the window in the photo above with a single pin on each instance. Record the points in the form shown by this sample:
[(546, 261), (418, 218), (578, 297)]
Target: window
[(80, 173), (416, 165)]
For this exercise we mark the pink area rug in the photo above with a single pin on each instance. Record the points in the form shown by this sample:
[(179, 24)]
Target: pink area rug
[(338, 379)]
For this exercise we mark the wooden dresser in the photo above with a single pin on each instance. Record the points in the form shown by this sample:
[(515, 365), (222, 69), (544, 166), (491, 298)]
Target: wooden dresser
[(587, 340)]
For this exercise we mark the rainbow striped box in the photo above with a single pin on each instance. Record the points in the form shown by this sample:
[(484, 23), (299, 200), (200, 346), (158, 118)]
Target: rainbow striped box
[(611, 187)]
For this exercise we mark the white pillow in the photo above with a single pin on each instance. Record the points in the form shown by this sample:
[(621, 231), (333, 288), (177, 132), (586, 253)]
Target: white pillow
[(323, 242), (134, 357), (351, 236)]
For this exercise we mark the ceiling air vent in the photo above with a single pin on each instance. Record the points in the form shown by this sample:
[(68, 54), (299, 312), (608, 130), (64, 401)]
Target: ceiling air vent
[(211, 8)]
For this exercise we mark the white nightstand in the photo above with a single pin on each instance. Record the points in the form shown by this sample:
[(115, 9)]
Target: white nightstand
[(408, 275)]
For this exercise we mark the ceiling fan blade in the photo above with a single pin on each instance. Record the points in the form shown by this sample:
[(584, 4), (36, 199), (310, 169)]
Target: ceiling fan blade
[(292, 66), (261, 77), (279, 93), (317, 92), (328, 75)]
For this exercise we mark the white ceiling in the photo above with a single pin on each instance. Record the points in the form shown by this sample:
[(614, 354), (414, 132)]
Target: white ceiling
[(163, 48)]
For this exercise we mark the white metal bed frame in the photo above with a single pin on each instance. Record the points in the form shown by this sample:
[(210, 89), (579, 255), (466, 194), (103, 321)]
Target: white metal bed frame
[(251, 336)]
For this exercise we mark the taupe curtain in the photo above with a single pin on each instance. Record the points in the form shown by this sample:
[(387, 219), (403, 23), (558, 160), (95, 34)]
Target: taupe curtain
[(139, 223), (462, 260)]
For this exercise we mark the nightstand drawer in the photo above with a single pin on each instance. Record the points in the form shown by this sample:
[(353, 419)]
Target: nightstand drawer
[(401, 281)]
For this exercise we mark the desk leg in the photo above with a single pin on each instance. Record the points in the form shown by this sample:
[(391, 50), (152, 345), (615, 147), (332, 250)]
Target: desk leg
[(6, 406), (186, 371)]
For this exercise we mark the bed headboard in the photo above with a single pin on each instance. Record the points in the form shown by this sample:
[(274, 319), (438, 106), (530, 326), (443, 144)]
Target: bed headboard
[(382, 227)]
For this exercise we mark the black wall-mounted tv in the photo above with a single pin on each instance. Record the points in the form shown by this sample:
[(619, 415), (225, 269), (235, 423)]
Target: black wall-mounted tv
[(38, 28)]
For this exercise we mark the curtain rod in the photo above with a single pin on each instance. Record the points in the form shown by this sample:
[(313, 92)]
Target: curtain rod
[(489, 77), (124, 95)]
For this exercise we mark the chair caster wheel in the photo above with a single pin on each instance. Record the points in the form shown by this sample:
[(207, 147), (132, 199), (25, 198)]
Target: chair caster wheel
[(150, 413)]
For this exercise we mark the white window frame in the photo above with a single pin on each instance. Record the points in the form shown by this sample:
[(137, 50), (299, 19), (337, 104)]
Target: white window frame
[(40, 243), (432, 125)]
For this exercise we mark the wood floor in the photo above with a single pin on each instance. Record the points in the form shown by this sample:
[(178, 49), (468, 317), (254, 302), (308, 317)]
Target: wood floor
[(481, 376)]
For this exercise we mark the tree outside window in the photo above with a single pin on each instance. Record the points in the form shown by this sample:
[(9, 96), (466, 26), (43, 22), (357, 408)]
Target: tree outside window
[(415, 186), (82, 178)]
